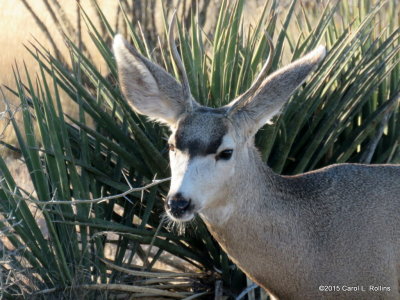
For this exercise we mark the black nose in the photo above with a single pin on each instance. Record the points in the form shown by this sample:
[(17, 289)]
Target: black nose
[(177, 205)]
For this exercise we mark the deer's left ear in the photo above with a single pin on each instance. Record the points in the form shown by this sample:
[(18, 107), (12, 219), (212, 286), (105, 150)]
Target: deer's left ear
[(149, 89), (274, 92)]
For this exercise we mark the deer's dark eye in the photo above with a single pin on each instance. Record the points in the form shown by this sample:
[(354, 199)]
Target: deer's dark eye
[(224, 155), (171, 147)]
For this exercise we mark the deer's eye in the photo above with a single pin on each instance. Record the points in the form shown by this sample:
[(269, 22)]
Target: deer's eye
[(171, 147), (224, 154)]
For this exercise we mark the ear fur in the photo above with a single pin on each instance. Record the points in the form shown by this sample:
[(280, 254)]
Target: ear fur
[(149, 89), (275, 90)]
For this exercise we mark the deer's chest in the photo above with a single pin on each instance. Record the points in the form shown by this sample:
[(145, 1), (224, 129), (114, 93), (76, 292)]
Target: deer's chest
[(268, 256)]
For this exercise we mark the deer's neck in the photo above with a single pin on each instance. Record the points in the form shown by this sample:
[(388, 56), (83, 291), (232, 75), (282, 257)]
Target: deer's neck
[(256, 222)]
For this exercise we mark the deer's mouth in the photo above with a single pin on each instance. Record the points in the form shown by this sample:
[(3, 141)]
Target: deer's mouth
[(182, 216), (180, 209)]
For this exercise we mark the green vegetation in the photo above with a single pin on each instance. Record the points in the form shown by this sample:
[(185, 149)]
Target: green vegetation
[(347, 111)]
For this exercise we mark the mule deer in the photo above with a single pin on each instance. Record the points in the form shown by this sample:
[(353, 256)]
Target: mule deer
[(330, 233)]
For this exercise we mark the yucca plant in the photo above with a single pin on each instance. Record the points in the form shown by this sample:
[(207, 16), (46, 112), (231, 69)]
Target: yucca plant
[(94, 174)]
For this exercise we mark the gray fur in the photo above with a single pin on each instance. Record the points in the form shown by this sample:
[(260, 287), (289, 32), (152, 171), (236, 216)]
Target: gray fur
[(275, 90), (337, 227), (333, 227)]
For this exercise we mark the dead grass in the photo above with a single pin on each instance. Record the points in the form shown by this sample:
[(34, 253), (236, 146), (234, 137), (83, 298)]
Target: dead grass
[(18, 28)]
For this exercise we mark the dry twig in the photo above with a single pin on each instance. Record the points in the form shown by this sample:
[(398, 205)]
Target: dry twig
[(102, 199)]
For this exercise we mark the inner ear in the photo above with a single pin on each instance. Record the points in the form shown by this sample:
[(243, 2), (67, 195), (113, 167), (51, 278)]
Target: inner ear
[(149, 89)]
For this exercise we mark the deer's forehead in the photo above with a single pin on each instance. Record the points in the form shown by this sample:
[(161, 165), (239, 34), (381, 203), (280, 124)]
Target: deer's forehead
[(201, 133)]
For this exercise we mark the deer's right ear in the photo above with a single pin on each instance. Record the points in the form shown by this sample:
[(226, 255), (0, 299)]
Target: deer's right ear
[(149, 89)]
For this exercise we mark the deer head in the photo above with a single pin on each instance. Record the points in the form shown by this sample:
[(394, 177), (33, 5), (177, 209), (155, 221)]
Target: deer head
[(206, 144)]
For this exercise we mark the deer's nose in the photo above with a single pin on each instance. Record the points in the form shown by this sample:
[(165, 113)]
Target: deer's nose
[(177, 205)]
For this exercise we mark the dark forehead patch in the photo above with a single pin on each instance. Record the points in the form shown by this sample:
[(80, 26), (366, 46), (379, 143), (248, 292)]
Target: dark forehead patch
[(201, 132)]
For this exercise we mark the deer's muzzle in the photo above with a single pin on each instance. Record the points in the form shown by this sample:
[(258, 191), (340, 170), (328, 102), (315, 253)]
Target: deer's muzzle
[(177, 205)]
